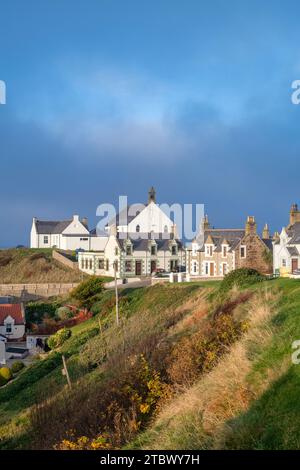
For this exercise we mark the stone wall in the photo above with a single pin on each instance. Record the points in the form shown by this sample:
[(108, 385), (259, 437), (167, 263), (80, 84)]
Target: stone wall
[(26, 292), (64, 260), (255, 254)]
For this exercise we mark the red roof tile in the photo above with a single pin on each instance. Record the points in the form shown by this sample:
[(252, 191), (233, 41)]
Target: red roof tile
[(14, 310)]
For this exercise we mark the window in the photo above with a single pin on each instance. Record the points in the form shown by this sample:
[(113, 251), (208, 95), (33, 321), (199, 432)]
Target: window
[(243, 252), (138, 228), (82, 263), (8, 328), (174, 250), (195, 267), (283, 263), (100, 263), (116, 251), (107, 265), (206, 269), (128, 266), (208, 250), (46, 239), (91, 264), (86, 264), (128, 250), (84, 239), (166, 230), (153, 250), (224, 251)]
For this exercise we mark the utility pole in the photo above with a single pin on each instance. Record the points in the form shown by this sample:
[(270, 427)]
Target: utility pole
[(65, 371), (117, 294)]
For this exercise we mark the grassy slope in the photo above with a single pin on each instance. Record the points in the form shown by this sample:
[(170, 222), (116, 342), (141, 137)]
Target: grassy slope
[(249, 400), (26, 265), (44, 378)]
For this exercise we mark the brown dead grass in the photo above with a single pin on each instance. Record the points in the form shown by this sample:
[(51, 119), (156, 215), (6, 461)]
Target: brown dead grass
[(199, 415)]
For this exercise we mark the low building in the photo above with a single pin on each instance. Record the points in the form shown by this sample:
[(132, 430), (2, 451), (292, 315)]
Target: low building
[(65, 235), (216, 252), (286, 250), (12, 321)]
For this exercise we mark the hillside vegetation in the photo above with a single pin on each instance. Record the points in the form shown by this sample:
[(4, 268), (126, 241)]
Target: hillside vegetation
[(24, 265), (192, 366)]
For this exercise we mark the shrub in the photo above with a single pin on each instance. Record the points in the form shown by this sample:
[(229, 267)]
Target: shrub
[(17, 366), (88, 291), (242, 278), (63, 313), (3, 381), (59, 338), (5, 373)]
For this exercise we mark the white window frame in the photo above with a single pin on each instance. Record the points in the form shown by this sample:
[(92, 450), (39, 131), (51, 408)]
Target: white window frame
[(209, 250)]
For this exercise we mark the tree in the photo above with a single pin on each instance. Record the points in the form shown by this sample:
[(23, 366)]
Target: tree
[(88, 291)]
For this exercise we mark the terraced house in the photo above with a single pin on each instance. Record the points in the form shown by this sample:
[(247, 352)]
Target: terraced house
[(216, 252)]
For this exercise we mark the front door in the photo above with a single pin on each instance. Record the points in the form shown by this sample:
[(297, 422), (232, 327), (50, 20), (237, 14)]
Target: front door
[(212, 269), (153, 266), (138, 268), (294, 265)]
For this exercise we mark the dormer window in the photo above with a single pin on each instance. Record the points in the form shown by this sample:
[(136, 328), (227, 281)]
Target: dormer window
[(138, 228), (209, 250), (8, 328), (224, 250), (128, 250), (153, 250), (174, 250)]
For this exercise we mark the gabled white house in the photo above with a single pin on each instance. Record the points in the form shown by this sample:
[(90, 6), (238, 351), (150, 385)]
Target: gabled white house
[(140, 218), (65, 235), (12, 321), (286, 247)]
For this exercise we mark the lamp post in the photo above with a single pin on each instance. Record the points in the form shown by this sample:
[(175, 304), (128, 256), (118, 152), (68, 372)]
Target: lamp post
[(117, 294)]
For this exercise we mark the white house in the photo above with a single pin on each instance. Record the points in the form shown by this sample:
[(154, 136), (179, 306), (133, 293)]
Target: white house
[(286, 247), (12, 321), (66, 235), (142, 239)]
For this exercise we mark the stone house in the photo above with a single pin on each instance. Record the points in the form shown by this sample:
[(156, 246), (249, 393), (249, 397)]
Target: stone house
[(216, 252)]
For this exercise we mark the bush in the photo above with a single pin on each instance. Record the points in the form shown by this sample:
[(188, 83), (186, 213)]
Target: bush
[(88, 291), (5, 373), (242, 278), (64, 313), (59, 338), (17, 366), (3, 381)]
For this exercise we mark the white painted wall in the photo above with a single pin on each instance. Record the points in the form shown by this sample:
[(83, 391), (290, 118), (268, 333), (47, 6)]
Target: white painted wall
[(17, 331)]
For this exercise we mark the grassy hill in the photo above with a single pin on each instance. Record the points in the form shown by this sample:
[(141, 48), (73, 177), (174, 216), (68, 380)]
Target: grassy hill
[(186, 369), (24, 265)]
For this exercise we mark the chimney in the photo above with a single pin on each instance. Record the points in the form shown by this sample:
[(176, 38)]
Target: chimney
[(85, 222), (205, 223), (266, 232), (250, 227), (276, 236), (294, 214)]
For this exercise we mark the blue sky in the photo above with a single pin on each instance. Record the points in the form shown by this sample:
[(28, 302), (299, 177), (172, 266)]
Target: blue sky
[(107, 97)]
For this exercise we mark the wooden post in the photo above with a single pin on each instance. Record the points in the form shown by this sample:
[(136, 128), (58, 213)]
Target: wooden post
[(65, 371), (117, 294)]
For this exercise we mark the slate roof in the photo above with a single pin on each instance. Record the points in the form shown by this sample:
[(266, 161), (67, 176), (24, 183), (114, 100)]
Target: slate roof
[(142, 244), (268, 242), (293, 251), (14, 310), (44, 227), (232, 236)]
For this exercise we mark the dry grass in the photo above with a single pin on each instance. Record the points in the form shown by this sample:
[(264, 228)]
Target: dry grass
[(33, 266), (198, 418)]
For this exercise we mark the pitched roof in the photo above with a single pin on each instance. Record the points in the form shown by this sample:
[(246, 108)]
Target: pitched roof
[(268, 242), (13, 310), (293, 251), (142, 244), (231, 236), (45, 227)]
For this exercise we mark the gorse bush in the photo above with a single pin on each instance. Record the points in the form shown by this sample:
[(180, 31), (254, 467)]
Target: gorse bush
[(5, 374), (241, 278), (88, 291), (17, 367), (59, 338)]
